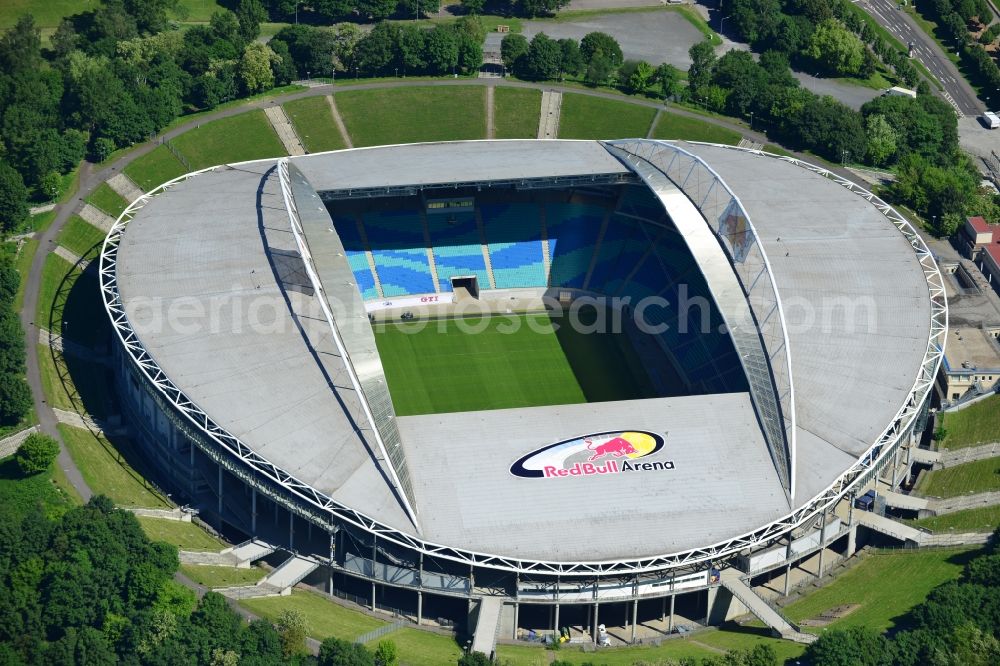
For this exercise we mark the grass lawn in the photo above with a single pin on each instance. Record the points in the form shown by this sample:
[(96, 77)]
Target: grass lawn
[(106, 471), (974, 477), (186, 536), (886, 585), (673, 126), (216, 577), (983, 519), (81, 237), (776, 149), (586, 117), (47, 13), (515, 112), (155, 168), (409, 115), (41, 221), (197, 11), (314, 124), (248, 136), (74, 384), (108, 200), (69, 303), (977, 424), (19, 495), (324, 618), (422, 648), (25, 255), (476, 363)]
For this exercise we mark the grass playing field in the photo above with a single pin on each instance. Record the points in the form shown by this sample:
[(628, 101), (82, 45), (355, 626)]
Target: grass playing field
[(484, 363)]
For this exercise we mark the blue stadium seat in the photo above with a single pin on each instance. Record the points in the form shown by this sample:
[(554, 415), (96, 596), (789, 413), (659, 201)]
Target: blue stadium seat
[(347, 229), (514, 238), (397, 243), (572, 231), (458, 249)]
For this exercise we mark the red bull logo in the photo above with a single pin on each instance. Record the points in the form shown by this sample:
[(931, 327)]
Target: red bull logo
[(598, 454)]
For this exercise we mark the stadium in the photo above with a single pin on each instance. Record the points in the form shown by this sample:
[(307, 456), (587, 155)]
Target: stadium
[(526, 384)]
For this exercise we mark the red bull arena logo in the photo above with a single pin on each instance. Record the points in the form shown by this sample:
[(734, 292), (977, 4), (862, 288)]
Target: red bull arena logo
[(594, 455)]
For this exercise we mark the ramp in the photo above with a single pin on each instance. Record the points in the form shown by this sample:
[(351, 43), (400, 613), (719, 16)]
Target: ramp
[(924, 456), (485, 638), (901, 501), (889, 527), (291, 571), (252, 550), (761, 609)]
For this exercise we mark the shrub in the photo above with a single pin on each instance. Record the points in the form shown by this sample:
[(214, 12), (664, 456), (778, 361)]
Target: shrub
[(36, 454)]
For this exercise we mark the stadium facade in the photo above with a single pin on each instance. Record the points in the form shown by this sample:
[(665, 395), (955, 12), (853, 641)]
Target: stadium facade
[(242, 297)]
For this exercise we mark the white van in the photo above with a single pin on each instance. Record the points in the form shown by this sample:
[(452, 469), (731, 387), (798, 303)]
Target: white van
[(991, 120), (901, 92)]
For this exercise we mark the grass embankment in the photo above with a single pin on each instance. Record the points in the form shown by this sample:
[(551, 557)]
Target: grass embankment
[(20, 495), (976, 424), (216, 577), (586, 117), (247, 136), (155, 168), (314, 124), (81, 238), (979, 476), (107, 200), (409, 115), (674, 126), (106, 470), (983, 519), (324, 618), (515, 112), (885, 586), (186, 536)]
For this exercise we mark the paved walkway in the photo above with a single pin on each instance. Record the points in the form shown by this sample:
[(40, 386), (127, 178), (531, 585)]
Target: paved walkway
[(491, 130), (548, 118), (341, 127)]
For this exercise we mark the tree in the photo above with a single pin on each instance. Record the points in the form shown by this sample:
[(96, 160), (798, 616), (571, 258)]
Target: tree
[(596, 44), (641, 77), (473, 6), (538, 7), (599, 70), (21, 47), (542, 61), (418, 8), (512, 47), (667, 78), (377, 50), (702, 62), (291, 626), (15, 398), (386, 654), (474, 659), (13, 199), (857, 646), (255, 70), (442, 50), (836, 49), (251, 14), (572, 60), (881, 139), (337, 652), (36, 454)]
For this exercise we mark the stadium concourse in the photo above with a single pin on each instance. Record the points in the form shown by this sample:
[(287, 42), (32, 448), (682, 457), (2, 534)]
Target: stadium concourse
[(777, 331)]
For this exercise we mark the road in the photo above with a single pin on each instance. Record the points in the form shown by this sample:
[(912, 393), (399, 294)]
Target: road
[(926, 50)]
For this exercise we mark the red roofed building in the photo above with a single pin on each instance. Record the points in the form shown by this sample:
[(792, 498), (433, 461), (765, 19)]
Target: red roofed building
[(977, 234)]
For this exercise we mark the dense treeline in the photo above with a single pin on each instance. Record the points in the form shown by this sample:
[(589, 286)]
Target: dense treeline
[(114, 76), (15, 397), (388, 48), (919, 136), (90, 588), (830, 36), (957, 625), (954, 18), (330, 11)]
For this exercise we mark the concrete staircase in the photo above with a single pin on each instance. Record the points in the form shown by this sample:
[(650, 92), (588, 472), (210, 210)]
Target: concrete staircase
[(484, 247), (125, 186), (285, 131), (925, 457), (484, 639), (901, 501), (732, 581), (291, 571), (363, 235), (890, 527), (250, 551)]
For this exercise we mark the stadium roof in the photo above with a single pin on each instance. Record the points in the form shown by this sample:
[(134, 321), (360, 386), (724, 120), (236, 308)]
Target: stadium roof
[(213, 247)]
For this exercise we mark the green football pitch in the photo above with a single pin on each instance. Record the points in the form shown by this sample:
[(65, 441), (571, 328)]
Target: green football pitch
[(476, 363)]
